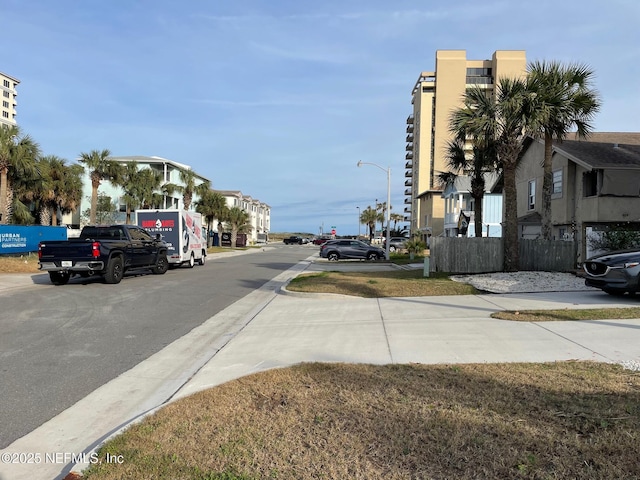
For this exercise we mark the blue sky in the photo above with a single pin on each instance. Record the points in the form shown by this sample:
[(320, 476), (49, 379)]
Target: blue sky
[(279, 98)]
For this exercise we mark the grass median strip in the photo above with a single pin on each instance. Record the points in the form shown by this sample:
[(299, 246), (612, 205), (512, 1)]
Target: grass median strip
[(336, 421), (400, 283), (568, 314)]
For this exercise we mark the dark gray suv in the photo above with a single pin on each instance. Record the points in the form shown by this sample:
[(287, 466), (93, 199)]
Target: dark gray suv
[(350, 249), (615, 272), (396, 243)]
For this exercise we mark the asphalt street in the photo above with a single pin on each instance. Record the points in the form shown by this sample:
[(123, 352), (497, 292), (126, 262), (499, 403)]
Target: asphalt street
[(272, 328)]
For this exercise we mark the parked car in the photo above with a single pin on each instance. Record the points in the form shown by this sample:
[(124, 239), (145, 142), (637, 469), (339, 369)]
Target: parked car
[(106, 250), (293, 240), (321, 240), (615, 273), (395, 243), (350, 249)]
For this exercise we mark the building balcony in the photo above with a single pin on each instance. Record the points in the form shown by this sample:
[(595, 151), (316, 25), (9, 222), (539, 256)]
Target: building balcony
[(410, 119), (407, 210), (408, 165), (409, 156), (407, 201), (409, 128), (408, 173), (407, 192), (409, 147), (409, 138), (407, 183)]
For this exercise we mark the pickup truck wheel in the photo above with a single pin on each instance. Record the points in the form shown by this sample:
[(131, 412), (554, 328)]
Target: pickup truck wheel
[(59, 278), (115, 270), (162, 265)]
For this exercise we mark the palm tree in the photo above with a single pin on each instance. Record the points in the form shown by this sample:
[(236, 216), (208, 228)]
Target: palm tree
[(32, 193), (381, 207), (139, 187), (481, 162), (369, 217), (212, 205), (561, 98), (396, 217), (238, 221), (500, 121), (101, 168), (52, 169), (18, 154), (188, 178), (70, 193), (130, 187), (58, 188)]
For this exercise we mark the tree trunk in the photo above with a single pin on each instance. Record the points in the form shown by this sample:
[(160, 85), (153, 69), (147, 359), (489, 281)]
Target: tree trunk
[(477, 193), (547, 186), (509, 156), (477, 215), (94, 203), (234, 237)]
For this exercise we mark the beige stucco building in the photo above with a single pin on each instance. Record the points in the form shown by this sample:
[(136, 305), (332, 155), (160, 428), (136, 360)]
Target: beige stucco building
[(596, 184), (8, 85), (434, 96)]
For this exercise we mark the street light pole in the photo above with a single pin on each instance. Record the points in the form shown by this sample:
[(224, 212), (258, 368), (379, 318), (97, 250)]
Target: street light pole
[(358, 222), (388, 209)]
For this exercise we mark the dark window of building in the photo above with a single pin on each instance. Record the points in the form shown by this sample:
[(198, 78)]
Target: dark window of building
[(481, 76), (590, 186)]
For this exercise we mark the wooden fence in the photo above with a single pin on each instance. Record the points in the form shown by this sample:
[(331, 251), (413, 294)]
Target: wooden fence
[(483, 255)]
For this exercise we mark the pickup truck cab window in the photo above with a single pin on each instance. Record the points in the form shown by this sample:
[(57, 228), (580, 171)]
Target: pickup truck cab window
[(139, 234)]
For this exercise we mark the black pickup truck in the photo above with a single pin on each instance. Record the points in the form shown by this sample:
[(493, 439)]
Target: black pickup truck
[(108, 250), (293, 240)]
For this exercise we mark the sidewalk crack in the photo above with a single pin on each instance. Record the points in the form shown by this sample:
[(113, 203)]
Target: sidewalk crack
[(384, 328)]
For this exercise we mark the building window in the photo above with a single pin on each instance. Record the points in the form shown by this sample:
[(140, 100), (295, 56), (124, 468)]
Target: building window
[(557, 182), (5, 114), (5, 104), (6, 84), (5, 94), (482, 76), (590, 183), (532, 195)]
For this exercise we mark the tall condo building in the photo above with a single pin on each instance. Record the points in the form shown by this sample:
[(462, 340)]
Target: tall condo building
[(9, 102), (435, 95)]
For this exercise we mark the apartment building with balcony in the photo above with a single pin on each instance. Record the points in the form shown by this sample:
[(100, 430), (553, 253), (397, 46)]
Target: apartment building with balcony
[(169, 171), (259, 213), (434, 96), (8, 86)]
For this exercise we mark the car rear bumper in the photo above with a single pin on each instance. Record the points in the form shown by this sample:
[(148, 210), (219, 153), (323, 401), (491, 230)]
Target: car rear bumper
[(83, 266)]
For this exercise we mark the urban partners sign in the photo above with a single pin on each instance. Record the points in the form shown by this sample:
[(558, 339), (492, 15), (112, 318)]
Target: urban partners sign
[(25, 238)]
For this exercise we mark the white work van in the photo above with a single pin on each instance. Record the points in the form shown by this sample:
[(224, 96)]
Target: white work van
[(181, 231)]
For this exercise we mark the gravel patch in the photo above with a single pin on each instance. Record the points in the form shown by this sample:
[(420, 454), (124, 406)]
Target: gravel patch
[(525, 282), (631, 365)]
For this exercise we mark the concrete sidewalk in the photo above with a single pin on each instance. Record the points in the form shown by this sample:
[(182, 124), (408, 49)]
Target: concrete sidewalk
[(274, 328)]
